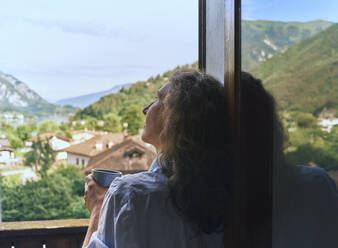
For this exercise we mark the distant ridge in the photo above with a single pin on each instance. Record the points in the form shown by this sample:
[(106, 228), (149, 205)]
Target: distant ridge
[(16, 96), (262, 42), (85, 100), (15, 93), (262, 39), (304, 77), (139, 93)]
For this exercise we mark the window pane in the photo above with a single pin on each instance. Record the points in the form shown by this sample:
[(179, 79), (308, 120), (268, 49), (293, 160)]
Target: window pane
[(292, 47)]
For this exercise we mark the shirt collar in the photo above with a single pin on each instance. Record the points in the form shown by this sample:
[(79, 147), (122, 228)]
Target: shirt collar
[(155, 165)]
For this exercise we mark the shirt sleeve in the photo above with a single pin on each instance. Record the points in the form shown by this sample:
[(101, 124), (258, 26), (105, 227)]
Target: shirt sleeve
[(96, 242), (116, 219)]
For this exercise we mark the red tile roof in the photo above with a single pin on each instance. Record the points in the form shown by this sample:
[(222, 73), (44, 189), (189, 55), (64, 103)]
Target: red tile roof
[(89, 147), (130, 155), (46, 136)]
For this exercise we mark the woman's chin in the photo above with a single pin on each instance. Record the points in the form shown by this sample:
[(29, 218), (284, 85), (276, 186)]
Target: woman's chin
[(144, 137)]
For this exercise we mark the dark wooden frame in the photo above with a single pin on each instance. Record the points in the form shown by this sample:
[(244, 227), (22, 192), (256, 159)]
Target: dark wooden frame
[(202, 35), (243, 233)]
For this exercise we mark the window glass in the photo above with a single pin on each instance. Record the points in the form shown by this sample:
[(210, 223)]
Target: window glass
[(292, 47)]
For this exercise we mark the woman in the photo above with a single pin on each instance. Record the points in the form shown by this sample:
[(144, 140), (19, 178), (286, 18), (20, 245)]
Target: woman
[(182, 200)]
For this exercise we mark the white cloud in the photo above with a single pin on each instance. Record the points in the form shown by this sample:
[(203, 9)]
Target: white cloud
[(61, 47)]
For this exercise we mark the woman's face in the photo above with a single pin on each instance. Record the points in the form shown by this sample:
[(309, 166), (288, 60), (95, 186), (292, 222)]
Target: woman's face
[(154, 120)]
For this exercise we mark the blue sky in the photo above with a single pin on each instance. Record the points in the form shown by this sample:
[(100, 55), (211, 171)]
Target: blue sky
[(290, 10), (68, 48)]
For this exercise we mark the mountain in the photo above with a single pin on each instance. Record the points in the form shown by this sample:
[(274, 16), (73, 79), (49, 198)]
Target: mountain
[(304, 77), (263, 43), (14, 93), (83, 101), (139, 93), (16, 96), (262, 39)]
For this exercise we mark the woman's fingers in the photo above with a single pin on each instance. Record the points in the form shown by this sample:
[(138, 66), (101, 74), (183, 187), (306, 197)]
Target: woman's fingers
[(94, 193), (90, 183), (89, 178)]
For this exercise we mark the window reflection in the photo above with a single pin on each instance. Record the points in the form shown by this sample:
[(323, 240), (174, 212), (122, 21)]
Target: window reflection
[(293, 50)]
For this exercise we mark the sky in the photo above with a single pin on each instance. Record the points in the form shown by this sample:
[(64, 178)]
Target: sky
[(65, 48)]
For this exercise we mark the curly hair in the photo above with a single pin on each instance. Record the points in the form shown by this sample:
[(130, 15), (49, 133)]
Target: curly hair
[(263, 136), (197, 145), (196, 150), (264, 133)]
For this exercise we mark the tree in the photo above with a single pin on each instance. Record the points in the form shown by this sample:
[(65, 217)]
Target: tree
[(15, 142), (6, 127), (306, 153), (112, 123), (306, 120), (41, 157), (48, 127), (91, 123), (134, 117), (65, 130), (333, 135), (78, 125), (75, 175), (24, 132), (60, 196), (11, 135)]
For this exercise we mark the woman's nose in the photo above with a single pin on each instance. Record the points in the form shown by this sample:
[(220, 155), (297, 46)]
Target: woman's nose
[(145, 110)]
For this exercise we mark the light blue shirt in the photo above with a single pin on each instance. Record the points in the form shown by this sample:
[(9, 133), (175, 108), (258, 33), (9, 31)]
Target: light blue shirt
[(136, 213)]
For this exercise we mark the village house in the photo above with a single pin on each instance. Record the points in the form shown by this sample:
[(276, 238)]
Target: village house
[(13, 119), (129, 156), (79, 136), (56, 141), (81, 153), (82, 135), (6, 153), (327, 124)]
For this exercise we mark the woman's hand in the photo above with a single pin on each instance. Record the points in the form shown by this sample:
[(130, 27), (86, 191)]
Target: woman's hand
[(94, 194)]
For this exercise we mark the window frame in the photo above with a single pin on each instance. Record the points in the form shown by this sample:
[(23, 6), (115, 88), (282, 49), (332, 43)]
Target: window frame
[(243, 232)]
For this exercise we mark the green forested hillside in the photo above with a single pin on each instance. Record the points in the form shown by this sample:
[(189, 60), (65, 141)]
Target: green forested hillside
[(305, 76), (140, 94), (262, 39)]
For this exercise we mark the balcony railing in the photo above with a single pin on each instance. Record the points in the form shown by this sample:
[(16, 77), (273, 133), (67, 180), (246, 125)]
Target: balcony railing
[(44, 234)]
